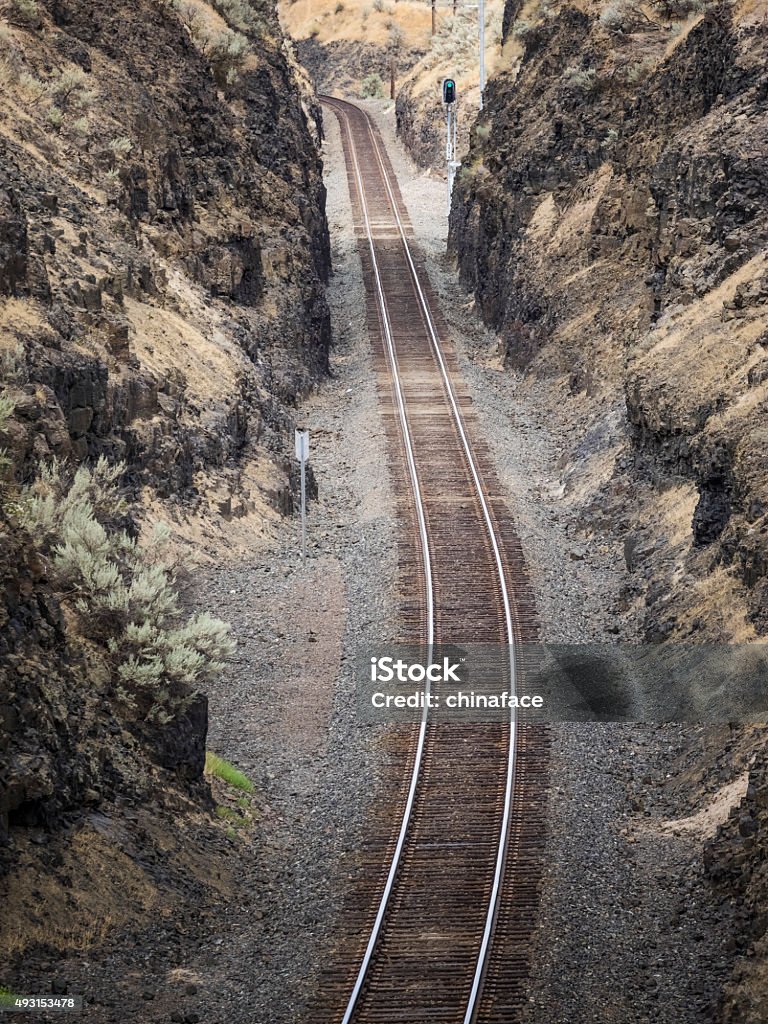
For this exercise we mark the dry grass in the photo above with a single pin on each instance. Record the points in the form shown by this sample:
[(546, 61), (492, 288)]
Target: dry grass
[(751, 11), (319, 18), (454, 51), (19, 318), (704, 823), (166, 341)]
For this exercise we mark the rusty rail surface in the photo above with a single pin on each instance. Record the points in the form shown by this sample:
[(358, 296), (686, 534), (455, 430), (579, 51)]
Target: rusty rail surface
[(439, 922)]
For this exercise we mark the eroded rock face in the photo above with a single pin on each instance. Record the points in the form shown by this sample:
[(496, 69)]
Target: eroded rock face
[(163, 253), (179, 197), (13, 244), (735, 864), (339, 67), (612, 220)]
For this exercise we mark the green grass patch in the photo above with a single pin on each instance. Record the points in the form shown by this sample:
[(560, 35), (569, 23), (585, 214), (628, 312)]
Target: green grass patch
[(230, 815), (7, 997), (215, 765)]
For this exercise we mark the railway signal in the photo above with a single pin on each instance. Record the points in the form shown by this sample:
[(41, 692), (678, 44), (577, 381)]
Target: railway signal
[(449, 102)]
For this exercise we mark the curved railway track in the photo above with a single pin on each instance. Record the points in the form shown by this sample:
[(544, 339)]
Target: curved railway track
[(440, 922)]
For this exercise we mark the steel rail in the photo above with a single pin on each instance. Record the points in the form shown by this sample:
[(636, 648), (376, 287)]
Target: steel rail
[(430, 616), (510, 781), (493, 902)]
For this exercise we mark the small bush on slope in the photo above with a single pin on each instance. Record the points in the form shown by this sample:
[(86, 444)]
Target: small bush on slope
[(125, 596)]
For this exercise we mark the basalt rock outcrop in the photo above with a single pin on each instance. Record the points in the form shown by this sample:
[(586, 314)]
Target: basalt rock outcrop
[(148, 215), (163, 254), (612, 221)]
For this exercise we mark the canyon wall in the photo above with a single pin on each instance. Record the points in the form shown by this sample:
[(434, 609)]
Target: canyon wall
[(163, 253), (612, 221)]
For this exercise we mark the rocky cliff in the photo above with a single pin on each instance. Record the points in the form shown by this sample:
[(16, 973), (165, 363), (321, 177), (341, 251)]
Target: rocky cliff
[(162, 239), (612, 220), (163, 252)]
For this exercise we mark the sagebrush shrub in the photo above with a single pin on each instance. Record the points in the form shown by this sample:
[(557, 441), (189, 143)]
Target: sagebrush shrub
[(6, 411), (70, 88), (8, 73), (32, 88), (125, 595), (371, 87), (121, 146), (187, 14), (579, 78), (55, 117), (239, 14), (226, 51), (25, 13)]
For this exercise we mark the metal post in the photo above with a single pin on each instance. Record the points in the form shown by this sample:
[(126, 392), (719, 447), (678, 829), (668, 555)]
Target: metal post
[(303, 509), (481, 16), (449, 152), (451, 148), (301, 444)]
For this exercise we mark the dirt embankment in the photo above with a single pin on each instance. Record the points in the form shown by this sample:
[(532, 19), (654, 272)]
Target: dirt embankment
[(163, 252), (612, 222)]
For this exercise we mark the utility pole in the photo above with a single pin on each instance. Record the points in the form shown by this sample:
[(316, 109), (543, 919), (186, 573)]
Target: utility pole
[(392, 79), (481, 18), (434, 17)]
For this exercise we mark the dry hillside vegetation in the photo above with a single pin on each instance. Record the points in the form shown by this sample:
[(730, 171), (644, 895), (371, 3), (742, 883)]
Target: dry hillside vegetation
[(355, 21), (453, 52), (350, 46)]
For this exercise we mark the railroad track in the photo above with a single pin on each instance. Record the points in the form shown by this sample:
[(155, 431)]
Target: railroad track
[(438, 926)]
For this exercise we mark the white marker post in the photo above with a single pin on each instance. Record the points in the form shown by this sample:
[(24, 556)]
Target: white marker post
[(302, 454)]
